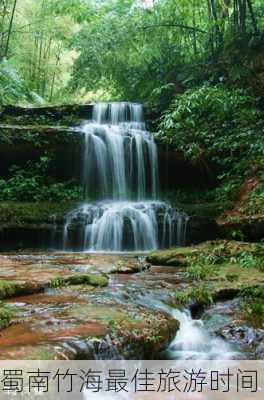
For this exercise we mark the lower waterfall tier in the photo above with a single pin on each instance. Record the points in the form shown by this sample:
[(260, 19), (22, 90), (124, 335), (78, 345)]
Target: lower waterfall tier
[(124, 226)]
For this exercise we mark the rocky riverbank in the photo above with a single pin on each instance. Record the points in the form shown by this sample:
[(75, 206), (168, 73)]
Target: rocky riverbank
[(77, 305)]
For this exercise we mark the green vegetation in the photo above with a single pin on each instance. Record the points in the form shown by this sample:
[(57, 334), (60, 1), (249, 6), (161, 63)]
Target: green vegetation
[(252, 305), (214, 269), (32, 183), (5, 316), (199, 272), (201, 295), (219, 130), (211, 253), (133, 49)]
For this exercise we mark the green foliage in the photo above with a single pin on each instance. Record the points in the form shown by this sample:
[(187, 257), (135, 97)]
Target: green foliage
[(219, 130), (252, 305), (12, 87), (30, 184), (201, 295), (254, 203), (253, 312), (130, 49), (245, 255), (199, 272), (213, 124)]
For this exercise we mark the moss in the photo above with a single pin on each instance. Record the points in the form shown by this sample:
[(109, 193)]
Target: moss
[(5, 317), (175, 257), (147, 337), (7, 289), (97, 280), (16, 288)]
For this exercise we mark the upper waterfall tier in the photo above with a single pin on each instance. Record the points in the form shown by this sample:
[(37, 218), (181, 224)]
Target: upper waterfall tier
[(120, 155)]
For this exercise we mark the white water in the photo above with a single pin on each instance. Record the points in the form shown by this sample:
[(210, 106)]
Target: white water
[(192, 341), (127, 226), (118, 154), (120, 171)]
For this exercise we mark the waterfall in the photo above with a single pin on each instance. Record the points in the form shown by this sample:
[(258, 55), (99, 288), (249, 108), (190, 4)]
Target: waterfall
[(120, 180), (120, 155)]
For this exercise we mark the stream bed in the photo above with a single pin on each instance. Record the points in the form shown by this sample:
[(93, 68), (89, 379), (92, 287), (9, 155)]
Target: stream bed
[(133, 317)]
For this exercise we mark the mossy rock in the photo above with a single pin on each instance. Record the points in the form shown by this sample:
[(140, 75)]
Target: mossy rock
[(96, 280), (175, 257), (15, 288)]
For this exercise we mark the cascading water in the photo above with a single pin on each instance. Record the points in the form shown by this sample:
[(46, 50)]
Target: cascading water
[(120, 169), (192, 341)]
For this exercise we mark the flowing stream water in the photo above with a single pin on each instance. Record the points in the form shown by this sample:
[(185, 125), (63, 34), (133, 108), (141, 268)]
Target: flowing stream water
[(192, 341), (120, 176)]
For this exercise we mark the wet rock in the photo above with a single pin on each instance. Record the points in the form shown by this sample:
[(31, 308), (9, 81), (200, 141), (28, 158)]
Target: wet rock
[(245, 336), (148, 340), (260, 351), (131, 266)]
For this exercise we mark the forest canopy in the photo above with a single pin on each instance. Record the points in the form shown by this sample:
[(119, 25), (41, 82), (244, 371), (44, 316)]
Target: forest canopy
[(144, 50)]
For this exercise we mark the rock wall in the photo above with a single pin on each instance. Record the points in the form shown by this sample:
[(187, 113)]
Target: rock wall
[(27, 133)]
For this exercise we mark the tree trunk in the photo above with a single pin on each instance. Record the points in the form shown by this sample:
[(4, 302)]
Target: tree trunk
[(242, 7), (10, 28), (4, 11), (253, 16), (194, 32), (236, 23), (58, 57)]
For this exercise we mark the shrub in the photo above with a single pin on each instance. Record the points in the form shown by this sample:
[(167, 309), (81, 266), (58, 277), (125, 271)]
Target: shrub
[(217, 125), (32, 184)]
